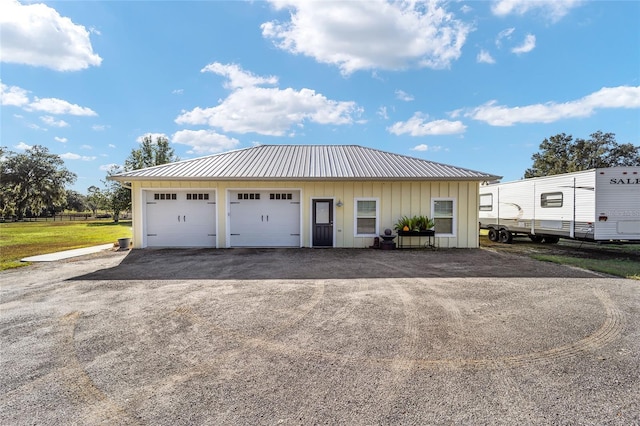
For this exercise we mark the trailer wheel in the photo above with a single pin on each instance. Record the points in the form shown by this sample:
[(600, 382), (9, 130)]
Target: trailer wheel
[(493, 235), (506, 236), (536, 238), (551, 240)]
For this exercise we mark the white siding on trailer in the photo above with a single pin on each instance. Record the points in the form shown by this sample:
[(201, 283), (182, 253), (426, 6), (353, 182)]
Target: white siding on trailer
[(618, 199)]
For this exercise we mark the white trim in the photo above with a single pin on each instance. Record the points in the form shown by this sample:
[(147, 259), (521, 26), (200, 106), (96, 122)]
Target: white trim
[(355, 216), (333, 206), (454, 222)]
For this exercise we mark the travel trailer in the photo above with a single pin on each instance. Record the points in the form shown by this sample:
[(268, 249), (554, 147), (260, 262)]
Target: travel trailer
[(592, 205)]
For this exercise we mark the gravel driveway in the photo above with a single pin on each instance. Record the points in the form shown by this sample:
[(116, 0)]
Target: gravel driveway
[(301, 336)]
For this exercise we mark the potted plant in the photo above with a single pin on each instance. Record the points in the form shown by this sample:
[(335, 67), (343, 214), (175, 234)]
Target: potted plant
[(414, 226)]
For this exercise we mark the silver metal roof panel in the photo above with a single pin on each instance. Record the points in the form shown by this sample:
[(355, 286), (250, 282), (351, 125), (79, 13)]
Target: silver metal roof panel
[(305, 162)]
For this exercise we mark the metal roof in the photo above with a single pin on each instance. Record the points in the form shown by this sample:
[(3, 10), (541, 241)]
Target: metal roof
[(304, 162)]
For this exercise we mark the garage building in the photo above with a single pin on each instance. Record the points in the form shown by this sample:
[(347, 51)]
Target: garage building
[(299, 196)]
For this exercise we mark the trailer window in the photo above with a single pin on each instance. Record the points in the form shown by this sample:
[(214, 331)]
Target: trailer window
[(486, 202), (551, 199)]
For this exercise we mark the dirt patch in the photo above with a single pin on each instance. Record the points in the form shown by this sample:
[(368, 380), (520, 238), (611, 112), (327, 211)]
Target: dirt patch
[(301, 336)]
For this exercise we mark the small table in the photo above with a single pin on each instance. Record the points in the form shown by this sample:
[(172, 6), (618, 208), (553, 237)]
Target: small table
[(430, 234)]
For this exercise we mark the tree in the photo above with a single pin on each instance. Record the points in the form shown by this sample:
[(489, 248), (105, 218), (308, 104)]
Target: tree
[(76, 201), (561, 154), (33, 181), (150, 153), (117, 197), (96, 199)]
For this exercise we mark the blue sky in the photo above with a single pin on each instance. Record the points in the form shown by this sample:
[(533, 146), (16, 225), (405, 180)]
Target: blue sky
[(475, 84)]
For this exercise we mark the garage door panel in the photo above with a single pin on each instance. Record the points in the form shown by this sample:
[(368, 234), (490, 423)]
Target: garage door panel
[(181, 219), (264, 218)]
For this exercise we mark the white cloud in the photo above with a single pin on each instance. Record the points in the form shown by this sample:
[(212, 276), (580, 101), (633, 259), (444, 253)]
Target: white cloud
[(49, 120), (419, 126), (607, 97), (485, 57), (237, 77), (17, 96), (404, 96), (89, 147), (13, 95), (553, 9), (59, 106), (382, 113), (506, 33), (423, 147), (204, 141), (177, 91), (108, 167), (72, 156), (61, 140), (36, 34), (363, 35), (267, 111), (99, 127), (153, 136), (111, 145), (527, 45), (23, 146)]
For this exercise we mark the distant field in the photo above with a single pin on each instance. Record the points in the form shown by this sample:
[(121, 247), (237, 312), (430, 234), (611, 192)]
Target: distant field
[(23, 239)]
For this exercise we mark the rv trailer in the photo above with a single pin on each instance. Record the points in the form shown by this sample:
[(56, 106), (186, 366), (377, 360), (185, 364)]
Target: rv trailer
[(592, 205)]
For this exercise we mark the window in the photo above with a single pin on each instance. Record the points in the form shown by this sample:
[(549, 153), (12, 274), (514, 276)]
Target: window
[(204, 196), (551, 199), (248, 196), (366, 217), (287, 196), (165, 197), (443, 213), (486, 202)]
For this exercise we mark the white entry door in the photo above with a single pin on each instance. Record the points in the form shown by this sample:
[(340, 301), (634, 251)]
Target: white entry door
[(264, 218), (181, 218)]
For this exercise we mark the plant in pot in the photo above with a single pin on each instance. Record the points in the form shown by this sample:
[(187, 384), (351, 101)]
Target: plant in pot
[(423, 223), (408, 224), (404, 224)]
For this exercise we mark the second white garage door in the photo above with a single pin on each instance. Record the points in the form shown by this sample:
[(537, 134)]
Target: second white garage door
[(259, 218)]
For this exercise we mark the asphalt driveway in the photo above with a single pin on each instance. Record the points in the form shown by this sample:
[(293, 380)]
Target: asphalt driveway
[(317, 337)]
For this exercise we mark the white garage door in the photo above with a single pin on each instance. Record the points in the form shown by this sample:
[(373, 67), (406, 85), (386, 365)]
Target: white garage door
[(181, 219), (264, 218)]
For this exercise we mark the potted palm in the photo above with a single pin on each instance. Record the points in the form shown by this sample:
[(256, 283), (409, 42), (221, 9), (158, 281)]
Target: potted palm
[(416, 226)]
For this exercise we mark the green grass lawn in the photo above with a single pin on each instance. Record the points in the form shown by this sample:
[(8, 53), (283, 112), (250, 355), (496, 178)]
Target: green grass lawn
[(23, 239), (621, 267)]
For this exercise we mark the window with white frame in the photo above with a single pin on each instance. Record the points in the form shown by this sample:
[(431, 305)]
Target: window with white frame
[(443, 213), (366, 216)]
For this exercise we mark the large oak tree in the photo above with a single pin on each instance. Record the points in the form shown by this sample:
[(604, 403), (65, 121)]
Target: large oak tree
[(32, 181), (562, 154)]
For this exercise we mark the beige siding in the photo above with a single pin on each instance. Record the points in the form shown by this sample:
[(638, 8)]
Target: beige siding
[(396, 199)]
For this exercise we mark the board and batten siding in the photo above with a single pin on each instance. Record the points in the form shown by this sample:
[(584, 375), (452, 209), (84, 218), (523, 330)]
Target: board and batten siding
[(396, 198)]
